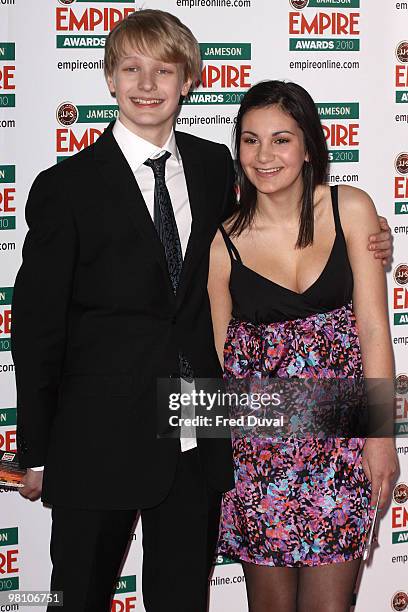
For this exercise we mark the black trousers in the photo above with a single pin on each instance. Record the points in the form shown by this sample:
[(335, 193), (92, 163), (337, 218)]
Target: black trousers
[(179, 539)]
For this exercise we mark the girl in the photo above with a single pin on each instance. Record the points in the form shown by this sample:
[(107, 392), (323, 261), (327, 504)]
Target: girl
[(295, 293)]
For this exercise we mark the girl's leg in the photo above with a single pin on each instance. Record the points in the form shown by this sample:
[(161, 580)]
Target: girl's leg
[(270, 589), (327, 588)]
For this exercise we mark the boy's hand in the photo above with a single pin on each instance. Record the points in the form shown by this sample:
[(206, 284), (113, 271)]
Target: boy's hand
[(381, 243), (32, 485)]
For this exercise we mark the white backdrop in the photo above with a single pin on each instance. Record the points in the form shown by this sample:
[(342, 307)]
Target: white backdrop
[(347, 53)]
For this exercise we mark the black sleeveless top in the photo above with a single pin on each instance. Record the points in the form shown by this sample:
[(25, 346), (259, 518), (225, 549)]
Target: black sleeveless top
[(260, 300)]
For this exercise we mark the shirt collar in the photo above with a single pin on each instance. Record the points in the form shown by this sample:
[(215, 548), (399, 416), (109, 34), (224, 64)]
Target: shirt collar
[(136, 149)]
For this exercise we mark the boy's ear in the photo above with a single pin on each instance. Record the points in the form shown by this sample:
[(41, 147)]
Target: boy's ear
[(111, 85), (186, 87)]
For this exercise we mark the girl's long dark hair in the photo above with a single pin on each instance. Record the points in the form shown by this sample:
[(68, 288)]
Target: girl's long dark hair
[(297, 102)]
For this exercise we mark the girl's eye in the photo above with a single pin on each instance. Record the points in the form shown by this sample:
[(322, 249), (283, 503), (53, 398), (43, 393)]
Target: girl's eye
[(282, 140), (250, 140)]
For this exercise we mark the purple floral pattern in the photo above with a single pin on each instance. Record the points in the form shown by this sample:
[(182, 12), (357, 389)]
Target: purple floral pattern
[(296, 502)]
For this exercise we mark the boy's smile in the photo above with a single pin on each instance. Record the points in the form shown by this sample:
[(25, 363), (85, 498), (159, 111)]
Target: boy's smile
[(147, 101), (148, 93)]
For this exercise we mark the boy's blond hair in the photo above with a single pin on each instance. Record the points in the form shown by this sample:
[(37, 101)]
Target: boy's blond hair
[(156, 34)]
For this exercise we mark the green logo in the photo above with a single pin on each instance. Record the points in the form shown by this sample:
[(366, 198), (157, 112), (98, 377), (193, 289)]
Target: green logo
[(7, 51), (401, 318), (401, 97), (9, 537), (401, 428), (9, 584), (68, 113), (126, 584), (225, 51), (401, 208), (6, 294), (337, 110), (7, 100), (400, 537), (339, 156), (5, 346), (319, 44), (215, 97), (8, 416), (7, 223), (97, 114), (7, 174), (75, 42), (221, 560), (344, 4)]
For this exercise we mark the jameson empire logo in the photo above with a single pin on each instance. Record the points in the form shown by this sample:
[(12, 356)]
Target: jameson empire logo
[(7, 198), (85, 24), (8, 422), (341, 129), (70, 140), (9, 566), (401, 384), (399, 514), (68, 113), (399, 601), (401, 184), (7, 74), (401, 274), (6, 294), (401, 295), (401, 73), (124, 598), (333, 30), (226, 67)]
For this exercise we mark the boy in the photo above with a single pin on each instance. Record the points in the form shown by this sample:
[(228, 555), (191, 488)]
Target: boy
[(125, 303)]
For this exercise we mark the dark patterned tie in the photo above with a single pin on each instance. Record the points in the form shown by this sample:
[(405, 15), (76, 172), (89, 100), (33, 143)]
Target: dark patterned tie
[(164, 219), (166, 226)]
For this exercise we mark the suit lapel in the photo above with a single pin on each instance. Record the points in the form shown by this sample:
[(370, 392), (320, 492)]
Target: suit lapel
[(117, 175), (195, 180)]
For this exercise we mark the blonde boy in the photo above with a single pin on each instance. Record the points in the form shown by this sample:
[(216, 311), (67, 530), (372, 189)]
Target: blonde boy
[(121, 249)]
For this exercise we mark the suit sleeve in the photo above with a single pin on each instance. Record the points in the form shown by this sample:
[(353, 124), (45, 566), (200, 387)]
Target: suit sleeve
[(230, 198), (40, 304)]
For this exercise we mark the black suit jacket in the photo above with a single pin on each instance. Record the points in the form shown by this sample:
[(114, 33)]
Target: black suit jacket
[(96, 322)]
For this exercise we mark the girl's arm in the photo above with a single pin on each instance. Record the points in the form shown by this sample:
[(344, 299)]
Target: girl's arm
[(359, 220), (218, 291)]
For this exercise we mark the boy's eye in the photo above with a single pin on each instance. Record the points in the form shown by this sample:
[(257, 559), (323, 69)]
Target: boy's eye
[(164, 71), (131, 69)]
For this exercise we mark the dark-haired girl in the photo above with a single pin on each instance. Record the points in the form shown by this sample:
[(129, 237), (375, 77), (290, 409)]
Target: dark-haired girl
[(296, 293)]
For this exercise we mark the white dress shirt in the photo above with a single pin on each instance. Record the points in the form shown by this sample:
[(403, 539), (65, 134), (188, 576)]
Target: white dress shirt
[(136, 151)]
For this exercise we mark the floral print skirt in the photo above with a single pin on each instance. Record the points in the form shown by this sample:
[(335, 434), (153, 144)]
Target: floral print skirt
[(297, 501)]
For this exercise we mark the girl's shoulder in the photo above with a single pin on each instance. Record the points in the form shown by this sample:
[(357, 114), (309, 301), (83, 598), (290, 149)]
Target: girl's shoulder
[(357, 210)]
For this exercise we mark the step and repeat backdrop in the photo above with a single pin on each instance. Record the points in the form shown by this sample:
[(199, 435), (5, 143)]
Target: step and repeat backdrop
[(352, 55)]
